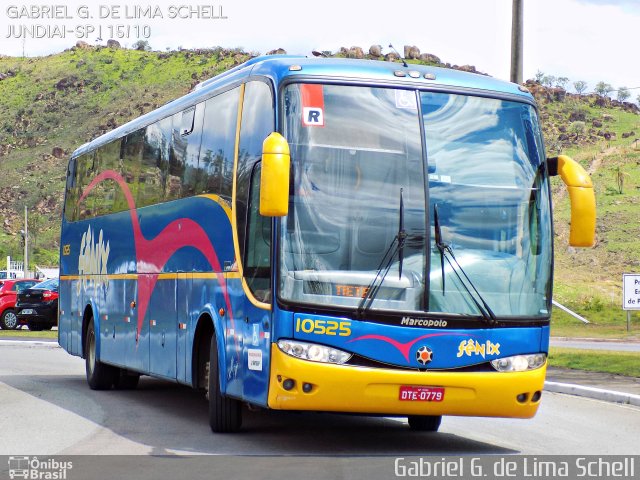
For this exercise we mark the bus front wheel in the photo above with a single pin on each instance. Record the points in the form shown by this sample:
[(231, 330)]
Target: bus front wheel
[(424, 423), (99, 375), (225, 414)]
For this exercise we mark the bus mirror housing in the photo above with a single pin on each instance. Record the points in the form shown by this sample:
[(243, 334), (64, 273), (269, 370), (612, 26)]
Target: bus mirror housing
[(582, 196), (274, 180)]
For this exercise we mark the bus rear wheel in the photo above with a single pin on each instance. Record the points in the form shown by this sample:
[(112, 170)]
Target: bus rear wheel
[(225, 413), (99, 375), (424, 423)]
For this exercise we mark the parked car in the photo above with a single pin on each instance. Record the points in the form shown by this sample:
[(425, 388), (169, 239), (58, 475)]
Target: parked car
[(8, 291), (37, 306)]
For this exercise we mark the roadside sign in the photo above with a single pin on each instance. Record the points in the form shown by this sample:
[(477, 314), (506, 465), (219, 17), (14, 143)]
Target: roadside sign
[(631, 291)]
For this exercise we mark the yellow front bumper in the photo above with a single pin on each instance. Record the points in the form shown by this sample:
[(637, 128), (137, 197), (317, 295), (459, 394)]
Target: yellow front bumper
[(340, 388)]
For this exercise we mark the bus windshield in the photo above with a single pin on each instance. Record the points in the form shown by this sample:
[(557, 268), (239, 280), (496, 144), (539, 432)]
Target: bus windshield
[(468, 196)]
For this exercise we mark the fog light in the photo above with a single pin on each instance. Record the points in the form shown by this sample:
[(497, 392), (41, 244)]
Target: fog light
[(522, 398), (536, 396), (307, 387), (288, 384)]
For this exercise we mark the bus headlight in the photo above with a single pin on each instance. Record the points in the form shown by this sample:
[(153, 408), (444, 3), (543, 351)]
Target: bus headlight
[(313, 352), (519, 363)]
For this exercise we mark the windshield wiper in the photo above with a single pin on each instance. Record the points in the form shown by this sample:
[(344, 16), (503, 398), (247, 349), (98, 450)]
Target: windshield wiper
[(396, 246), (402, 236), (445, 252)]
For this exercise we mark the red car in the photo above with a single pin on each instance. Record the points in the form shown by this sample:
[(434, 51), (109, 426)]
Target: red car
[(37, 306), (9, 289)]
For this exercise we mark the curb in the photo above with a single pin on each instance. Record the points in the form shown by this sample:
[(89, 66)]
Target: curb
[(595, 340), (39, 343), (592, 392)]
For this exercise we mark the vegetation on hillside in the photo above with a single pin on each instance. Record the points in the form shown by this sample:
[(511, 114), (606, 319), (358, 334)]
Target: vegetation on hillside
[(51, 105), (603, 135)]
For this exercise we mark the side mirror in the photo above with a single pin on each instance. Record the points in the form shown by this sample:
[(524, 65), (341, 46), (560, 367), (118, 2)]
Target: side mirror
[(583, 200), (274, 180)]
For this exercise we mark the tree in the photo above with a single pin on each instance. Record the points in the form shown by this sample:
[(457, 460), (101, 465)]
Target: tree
[(548, 80), (142, 45), (603, 89), (623, 94), (539, 76), (562, 82), (578, 128), (580, 86)]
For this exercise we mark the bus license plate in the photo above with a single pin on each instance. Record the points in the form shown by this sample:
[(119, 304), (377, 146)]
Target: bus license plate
[(27, 311), (409, 393)]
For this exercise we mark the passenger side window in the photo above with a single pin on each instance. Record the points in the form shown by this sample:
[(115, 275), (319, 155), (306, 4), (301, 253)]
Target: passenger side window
[(155, 163), (257, 124), (218, 144), (185, 150), (85, 172), (71, 195)]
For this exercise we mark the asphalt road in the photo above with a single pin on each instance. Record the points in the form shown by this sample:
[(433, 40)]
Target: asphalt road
[(596, 345), (46, 408)]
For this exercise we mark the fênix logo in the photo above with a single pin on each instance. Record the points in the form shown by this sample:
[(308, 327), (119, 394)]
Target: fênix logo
[(32, 468), (93, 258)]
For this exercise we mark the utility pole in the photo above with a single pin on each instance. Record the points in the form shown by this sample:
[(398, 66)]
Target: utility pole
[(26, 244), (516, 41)]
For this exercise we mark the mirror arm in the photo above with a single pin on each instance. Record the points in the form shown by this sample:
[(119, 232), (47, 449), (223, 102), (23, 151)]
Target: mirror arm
[(582, 196)]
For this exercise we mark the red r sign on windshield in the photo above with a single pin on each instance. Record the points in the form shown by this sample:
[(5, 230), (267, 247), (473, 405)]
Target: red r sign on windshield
[(312, 105)]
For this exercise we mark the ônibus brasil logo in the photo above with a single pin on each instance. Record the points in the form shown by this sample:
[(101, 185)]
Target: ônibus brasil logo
[(32, 468)]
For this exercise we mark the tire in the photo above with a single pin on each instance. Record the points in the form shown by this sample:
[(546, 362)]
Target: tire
[(125, 380), (9, 320), (424, 423), (225, 413), (100, 376), (35, 327)]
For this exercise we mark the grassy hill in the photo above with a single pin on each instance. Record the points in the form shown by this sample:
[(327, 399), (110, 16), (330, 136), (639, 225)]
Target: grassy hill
[(51, 105)]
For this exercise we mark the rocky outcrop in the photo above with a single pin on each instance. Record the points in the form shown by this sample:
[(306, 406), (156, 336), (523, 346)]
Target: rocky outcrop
[(411, 52), (7, 74), (429, 58), (391, 57), (355, 52), (375, 51)]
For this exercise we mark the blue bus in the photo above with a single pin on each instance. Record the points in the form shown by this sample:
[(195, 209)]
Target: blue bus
[(325, 235)]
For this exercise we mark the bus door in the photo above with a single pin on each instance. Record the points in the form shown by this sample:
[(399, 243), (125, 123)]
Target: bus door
[(254, 243), (257, 279), (249, 331)]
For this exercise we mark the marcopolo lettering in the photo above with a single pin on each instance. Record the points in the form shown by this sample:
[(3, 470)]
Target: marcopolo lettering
[(423, 322)]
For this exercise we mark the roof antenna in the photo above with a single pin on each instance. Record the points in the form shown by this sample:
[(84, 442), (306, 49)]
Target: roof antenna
[(399, 56)]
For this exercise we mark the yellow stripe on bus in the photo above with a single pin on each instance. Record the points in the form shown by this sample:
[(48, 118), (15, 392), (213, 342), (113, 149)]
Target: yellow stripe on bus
[(161, 276)]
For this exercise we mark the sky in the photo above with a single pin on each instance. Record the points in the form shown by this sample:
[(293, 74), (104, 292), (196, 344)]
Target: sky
[(590, 40)]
